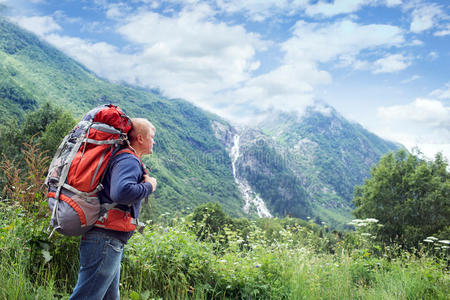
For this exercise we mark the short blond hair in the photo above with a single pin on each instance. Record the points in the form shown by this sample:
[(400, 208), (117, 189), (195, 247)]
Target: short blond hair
[(140, 127)]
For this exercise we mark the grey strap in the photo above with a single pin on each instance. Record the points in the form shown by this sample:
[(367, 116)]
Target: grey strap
[(100, 163), (105, 128), (56, 156), (89, 196), (106, 142), (109, 206), (55, 215), (65, 170)]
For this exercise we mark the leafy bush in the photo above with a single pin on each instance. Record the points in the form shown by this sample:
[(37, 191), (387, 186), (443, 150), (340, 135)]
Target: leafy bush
[(167, 262), (409, 196)]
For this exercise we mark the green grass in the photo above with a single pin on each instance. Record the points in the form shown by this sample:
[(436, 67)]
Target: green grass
[(169, 261)]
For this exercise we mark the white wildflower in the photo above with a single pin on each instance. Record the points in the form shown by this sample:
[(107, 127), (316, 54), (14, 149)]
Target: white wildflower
[(371, 220), (447, 242)]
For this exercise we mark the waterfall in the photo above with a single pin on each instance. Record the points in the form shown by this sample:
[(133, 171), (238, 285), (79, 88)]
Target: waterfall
[(250, 197)]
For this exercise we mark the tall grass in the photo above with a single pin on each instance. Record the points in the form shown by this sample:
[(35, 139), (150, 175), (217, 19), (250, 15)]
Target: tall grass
[(169, 262)]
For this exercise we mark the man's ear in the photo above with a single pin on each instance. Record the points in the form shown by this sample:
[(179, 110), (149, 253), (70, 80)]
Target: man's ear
[(141, 139)]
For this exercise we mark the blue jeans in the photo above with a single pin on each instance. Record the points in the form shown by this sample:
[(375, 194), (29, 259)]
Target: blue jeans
[(99, 276)]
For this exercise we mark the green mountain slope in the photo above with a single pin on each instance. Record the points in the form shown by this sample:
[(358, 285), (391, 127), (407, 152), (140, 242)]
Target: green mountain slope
[(191, 166), (312, 162)]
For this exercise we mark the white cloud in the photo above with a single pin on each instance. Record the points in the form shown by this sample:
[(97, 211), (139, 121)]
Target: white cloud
[(190, 55), (336, 7), (391, 3), (424, 123), (444, 31), (425, 111), (432, 55), (103, 58), (425, 17), (292, 86), (391, 63), (61, 17), (117, 10), (289, 87), (443, 93), (346, 60), (258, 10), (38, 25), (416, 42), (410, 79), (325, 42)]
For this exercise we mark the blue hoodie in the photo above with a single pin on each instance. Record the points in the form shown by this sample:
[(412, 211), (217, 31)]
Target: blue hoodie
[(123, 185)]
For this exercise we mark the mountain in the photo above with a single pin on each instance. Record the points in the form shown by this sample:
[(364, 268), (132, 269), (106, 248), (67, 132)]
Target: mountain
[(191, 165), (306, 165), (290, 164)]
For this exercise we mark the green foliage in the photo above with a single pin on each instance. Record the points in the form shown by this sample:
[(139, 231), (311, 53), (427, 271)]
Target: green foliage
[(46, 126), (277, 259), (167, 262), (409, 196), (25, 216), (209, 220), (55, 131)]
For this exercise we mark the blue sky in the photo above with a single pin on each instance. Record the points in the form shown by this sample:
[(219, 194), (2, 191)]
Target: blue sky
[(382, 63)]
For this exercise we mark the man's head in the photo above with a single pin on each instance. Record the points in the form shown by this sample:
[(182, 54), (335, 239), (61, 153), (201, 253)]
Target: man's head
[(141, 136)]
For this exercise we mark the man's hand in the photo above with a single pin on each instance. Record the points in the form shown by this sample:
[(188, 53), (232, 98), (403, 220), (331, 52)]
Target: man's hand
[(152, 180)]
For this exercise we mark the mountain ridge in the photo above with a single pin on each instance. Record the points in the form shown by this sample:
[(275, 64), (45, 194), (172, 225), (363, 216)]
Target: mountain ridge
[(317, 156)]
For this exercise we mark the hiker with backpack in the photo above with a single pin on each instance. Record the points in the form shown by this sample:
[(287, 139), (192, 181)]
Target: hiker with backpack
[(125, 184), (96, 182)]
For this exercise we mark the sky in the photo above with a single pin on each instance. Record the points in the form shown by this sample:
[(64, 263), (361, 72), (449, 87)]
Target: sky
[(382, 63)]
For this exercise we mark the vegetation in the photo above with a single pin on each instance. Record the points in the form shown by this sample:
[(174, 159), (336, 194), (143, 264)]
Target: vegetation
[(168, 261), (209, 255), (409, 196)]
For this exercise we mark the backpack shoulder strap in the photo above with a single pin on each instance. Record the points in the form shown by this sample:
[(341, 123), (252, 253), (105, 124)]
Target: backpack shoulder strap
[(130, 151)]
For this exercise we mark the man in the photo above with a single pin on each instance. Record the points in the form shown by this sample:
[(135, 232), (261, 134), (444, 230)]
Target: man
[(125, 184)]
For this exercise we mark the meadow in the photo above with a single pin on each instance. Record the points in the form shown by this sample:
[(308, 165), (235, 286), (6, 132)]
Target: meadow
[(190, 257)]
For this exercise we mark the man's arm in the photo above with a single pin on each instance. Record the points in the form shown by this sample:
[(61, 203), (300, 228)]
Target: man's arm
[(126, 185)]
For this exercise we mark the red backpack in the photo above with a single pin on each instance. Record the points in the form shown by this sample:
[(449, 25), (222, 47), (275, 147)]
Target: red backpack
[(76, 171)]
